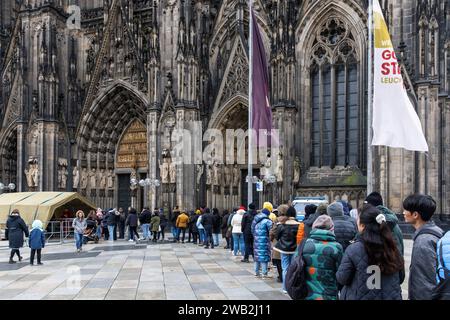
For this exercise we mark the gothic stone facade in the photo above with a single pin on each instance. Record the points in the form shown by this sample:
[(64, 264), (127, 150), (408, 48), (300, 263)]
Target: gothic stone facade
[(89, 108)]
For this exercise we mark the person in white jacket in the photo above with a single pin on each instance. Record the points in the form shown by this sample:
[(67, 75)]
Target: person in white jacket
[(238, 236)]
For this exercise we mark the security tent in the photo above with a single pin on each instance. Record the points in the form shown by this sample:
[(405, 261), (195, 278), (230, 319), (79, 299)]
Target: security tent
[(44, 206)]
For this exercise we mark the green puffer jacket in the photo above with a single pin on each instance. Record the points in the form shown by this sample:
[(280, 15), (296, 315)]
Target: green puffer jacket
[(322, 254), (392, 220)]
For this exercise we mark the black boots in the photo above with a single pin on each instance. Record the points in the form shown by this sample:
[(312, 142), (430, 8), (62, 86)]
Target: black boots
[(11, 261)]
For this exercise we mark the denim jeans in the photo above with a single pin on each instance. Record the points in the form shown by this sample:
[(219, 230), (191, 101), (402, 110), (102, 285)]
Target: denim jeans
[(264, 266), (174, 232), (145, 230), (111, 233), (285, 262), (78, 240), (99, 231), (202, 235), (238, 239), (216, 239)]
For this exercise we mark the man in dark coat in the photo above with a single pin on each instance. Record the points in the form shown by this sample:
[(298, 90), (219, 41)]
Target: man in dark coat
[(121, 223), (344, 226), (224, 227), (309, 221), (217, 221), (15, 229), (246, 227), (132, 222), (176, 212), (207, 222)]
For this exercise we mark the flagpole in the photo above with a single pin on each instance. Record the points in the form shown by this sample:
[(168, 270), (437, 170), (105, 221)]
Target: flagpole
[(250, 107), (370, 100)]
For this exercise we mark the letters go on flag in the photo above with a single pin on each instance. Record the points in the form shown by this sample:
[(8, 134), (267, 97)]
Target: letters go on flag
[(395, 122)]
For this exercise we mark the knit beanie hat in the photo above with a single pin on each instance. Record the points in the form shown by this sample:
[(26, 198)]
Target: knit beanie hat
[(252, 206), (282, 210), (335, 209), (323, 222), (268, 206), (37, 224), (242, 208), (291, 212), (322, 209)]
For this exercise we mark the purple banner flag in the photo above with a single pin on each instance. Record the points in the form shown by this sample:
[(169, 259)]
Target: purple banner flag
[(261, 111)]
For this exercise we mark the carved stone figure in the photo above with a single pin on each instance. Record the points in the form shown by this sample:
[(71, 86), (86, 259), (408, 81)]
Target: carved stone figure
[(164, 168), (217, 174), (84, 178), (297, 169), (173, 172), (62, 177), (200, 170), (93, 178), (208, 175), (76, 177), (279, 168), (227, 175), (32, 173), (110, 179), (236, 176), (103, 178), (267, 169)]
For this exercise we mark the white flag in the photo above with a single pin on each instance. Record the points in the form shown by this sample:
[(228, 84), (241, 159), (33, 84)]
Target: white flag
[(395, 122)]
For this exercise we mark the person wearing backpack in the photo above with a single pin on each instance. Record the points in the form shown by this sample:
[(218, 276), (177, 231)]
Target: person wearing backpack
[(374, 255), (322, 255), (442, 290), (261, 226), (286, 236), (418, 210)]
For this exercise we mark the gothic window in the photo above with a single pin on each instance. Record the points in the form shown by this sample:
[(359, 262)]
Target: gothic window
[(334, 97)]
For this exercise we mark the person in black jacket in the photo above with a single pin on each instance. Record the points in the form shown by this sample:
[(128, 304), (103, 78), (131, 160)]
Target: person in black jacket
[(162, 223), (224, 227), (144, 219), (121, 223), (132, 222), (111, 221), (207, 222), (344, 226), (309, 221), (193, 223), (15, 229), (217, 221), (374, 247), (246, 227), (173, 219)]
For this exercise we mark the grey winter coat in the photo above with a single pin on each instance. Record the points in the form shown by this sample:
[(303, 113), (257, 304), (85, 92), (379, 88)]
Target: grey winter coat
[(79, 226), (15, 229), (344, 228), (422, 271), (353, 275)]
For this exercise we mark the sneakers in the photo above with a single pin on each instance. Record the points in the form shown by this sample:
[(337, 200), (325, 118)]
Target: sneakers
[(131, 240), (11, 261), (20, 258), (40, 263), (284, 291), (257, 275), (245, 260)]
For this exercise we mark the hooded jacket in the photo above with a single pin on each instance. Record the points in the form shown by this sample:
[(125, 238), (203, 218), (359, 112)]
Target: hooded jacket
[(182, 220), (37, 237), (155, 221), (392, 221), (261, 226), (145, 217), (236, 222), (79, 225), (344, 229), (217, 221), (15, 229), (322, 254), (422, 271), (445, 258), (353, 275)]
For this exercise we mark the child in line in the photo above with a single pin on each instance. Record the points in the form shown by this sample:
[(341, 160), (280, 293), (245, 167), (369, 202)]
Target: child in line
[(37, 241)]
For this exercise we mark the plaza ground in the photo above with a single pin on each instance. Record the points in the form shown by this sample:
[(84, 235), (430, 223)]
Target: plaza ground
[(125, 271)]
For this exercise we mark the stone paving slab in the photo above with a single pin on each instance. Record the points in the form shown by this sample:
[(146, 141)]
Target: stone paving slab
[(122, 271)]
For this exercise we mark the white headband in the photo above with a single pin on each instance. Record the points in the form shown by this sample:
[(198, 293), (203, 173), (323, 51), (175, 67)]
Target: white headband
[(380, 218)]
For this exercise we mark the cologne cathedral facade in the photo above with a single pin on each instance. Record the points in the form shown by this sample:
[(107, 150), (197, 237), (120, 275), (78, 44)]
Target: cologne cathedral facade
[(91, 90)]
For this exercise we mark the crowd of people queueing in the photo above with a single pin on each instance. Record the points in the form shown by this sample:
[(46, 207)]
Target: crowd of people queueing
[(339, 246)]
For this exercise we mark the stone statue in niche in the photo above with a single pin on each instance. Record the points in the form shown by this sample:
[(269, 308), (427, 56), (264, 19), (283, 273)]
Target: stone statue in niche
[(200, 170), (62, 177), (32, 173), (110, 179), (297, 170), (76, 177), (217, 174), (93, 179), (164, 167), (280, 167), (103, 179), (208, 175), (173, 172), (227, 174), (84, 178), (236, 176)]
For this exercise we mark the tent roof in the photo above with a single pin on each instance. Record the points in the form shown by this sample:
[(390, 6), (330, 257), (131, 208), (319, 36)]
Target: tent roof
[(38, 205)]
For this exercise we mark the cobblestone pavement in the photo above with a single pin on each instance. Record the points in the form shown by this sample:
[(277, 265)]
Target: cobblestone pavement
[(123, 270)]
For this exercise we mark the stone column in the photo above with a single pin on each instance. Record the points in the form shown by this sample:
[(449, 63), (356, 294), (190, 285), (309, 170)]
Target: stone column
[(153, 152), (21, 153)]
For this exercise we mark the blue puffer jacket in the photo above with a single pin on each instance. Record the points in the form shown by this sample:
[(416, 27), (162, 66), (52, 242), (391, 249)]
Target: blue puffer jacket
[(445, 243), (261, 226)]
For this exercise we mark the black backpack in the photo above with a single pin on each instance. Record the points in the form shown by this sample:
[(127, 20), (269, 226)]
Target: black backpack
[(442, 290), (296, 276)]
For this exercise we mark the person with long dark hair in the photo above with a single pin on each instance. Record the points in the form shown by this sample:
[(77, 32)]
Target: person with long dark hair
[(79, 224), (373, 255)]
